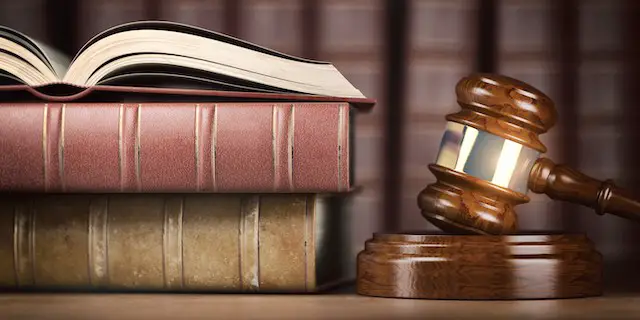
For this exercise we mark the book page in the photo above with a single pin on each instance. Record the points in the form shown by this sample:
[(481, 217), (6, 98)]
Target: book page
[(58, 61), (161, 47), (191, 30), (8, 79), (54, 59)]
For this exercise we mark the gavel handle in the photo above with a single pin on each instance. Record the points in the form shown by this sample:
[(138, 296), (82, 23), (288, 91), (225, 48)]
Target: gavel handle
[(561, 182)]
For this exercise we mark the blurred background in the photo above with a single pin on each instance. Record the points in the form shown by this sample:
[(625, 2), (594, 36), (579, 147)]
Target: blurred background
[(409, 54)]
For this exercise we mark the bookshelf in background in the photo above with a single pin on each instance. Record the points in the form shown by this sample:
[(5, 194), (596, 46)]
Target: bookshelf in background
[(276, 24), (27, 16), (628, 145), (208, 14), (441, 50), (96, 16), (600, 90)]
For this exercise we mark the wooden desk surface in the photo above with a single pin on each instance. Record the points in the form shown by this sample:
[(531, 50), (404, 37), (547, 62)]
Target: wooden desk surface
[(342, 305)]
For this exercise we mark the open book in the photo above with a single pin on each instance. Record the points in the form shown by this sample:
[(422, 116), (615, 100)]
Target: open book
[(169, 53)]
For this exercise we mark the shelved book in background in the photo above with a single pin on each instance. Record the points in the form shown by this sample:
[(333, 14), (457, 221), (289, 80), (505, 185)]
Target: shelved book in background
[(223, 171)]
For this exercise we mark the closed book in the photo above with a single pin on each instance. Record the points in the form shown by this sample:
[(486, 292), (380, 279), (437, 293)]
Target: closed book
[(171, 242), (176, 147)]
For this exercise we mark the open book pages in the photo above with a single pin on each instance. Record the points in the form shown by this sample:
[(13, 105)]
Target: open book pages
[(172, 53)]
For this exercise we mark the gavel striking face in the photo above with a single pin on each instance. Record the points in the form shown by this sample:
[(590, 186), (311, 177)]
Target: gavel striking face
[(489, 159)]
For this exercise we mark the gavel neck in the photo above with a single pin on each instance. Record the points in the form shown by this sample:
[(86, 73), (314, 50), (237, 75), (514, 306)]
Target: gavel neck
[(561, 182)]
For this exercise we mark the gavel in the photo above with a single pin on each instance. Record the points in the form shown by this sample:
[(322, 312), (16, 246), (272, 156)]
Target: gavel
[(490, 158)]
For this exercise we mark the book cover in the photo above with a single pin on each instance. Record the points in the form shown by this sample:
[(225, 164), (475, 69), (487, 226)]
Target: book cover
[(176, 147), (187, 242)]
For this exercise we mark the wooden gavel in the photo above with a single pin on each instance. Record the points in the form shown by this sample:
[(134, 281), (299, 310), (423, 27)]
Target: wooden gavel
[(489, 159)]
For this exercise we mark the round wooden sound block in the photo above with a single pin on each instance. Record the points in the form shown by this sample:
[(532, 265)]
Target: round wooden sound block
[(532, 266)]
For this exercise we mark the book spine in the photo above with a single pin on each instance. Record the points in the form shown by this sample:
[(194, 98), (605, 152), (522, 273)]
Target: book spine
[(175, 147), (193, 242)]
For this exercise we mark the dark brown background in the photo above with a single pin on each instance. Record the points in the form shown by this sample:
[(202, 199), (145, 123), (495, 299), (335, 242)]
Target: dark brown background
[(409, 55)]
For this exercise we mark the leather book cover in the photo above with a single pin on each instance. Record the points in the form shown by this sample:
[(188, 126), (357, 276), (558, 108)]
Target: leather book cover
[(176, 147), (190, 242)]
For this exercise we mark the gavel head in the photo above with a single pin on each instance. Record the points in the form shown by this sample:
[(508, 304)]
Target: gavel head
[(486, 155)]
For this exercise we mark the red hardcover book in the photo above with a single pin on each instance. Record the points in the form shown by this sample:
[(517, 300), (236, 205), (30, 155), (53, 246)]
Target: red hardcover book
[(156, 106), (175, 147)]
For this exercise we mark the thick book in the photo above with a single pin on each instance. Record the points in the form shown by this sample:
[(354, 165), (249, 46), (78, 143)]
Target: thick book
[(148, 52), (176, 147), (174, 242)]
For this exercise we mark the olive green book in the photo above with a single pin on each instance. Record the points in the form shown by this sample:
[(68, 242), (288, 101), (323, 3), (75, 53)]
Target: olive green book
[(165, 242)]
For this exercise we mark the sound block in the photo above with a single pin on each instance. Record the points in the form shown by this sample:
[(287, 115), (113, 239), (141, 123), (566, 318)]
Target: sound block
[(479, 267)]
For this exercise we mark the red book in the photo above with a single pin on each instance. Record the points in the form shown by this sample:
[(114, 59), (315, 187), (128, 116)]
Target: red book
[(156, 106), (175, 147)]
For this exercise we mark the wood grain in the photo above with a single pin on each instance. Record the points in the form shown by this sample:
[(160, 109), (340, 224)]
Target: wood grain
[(172, 242), (561, 182), (344, 305), (460, 203), (415, 265), (506, 107)]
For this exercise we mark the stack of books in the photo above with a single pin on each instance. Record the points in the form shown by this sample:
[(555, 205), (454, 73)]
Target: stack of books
[(169, 157)]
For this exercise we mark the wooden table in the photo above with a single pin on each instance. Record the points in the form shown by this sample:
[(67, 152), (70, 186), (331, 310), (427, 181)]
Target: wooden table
[(338, 305)]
